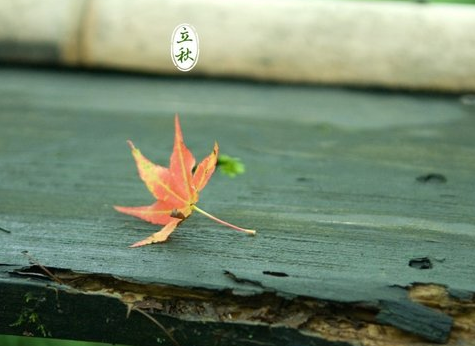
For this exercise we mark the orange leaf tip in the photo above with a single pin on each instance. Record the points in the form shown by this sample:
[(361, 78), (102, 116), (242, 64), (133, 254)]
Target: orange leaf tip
[(131, 145)]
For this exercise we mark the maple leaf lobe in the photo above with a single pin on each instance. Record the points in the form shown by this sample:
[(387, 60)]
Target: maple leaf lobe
[(176, 188)]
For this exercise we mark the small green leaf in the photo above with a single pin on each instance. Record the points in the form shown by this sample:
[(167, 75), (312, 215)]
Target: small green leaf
[(29, 297), (230, 166), (33, 318)]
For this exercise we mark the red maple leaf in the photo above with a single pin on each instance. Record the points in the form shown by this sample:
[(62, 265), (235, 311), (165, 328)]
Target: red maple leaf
[(176, 188)]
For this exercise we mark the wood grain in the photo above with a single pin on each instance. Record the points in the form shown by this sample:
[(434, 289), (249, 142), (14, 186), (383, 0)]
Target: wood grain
[(330, 185)]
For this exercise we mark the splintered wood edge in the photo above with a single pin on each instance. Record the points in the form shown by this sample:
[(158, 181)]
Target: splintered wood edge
[(353, 323)]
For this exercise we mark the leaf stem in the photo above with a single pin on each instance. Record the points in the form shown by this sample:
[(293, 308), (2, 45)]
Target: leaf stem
[(248, 231)]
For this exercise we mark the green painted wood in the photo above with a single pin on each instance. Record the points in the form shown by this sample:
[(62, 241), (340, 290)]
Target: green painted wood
[(330, 184)]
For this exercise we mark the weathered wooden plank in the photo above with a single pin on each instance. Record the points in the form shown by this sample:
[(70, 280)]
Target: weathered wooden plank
[(331, 186)]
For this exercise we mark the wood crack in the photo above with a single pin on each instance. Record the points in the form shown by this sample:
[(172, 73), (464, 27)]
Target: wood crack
[(418, 319)]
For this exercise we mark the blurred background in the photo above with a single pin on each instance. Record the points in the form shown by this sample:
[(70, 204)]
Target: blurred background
[(404, 45), (416, 45)]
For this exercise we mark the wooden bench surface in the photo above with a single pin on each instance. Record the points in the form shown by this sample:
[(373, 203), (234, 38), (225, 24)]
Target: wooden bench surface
[(363, 201)]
